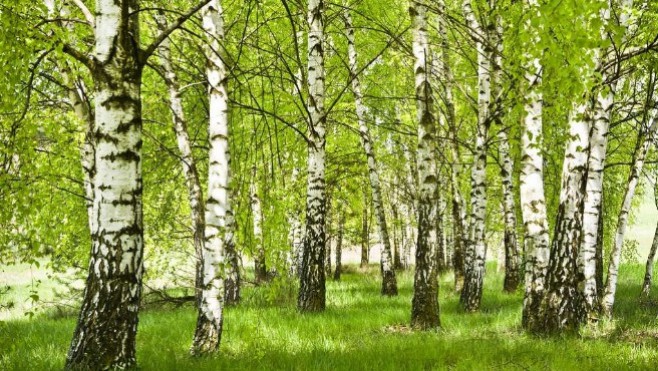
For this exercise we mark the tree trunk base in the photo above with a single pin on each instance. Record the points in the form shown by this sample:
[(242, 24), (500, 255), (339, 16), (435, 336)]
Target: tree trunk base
[(389, 283)]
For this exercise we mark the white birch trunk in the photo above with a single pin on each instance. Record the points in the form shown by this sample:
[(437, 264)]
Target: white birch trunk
[(594, 190), (260, 269), (389, 282), (425, 306), (190, 172), (533, 202), (218, 213), (562, 307), (475, 253), (312, 278), (107, 325), (648, 275), (458, 206), (643, 145)]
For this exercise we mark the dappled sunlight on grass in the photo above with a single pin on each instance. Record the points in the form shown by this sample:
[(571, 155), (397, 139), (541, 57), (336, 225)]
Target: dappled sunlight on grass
[(363, 330)]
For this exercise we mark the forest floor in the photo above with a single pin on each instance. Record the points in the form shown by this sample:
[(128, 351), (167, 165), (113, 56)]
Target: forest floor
[(360, 330)]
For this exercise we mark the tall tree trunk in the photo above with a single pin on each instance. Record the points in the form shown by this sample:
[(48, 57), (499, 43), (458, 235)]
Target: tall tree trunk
[(562, 306), (104, 337), (602, 104), (531, 180), (512, 254), (644, 141), (193, 183), (425, 305), (312, 278), (389, 282), (475, 253), (457, 204), (260, 269)]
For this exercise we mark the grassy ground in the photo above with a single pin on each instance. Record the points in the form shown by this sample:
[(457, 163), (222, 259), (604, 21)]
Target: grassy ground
[(362, 330)]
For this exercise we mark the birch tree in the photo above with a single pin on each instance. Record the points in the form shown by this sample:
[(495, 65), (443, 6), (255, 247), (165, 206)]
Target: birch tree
[(105, 334), (531, 180), (648, 273), (260, 268), (425, 306), (312, 278), (475, 252), (389, 282), (219, 215), (644, 142)]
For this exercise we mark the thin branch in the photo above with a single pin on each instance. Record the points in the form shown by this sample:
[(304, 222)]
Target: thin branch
[(146, 53)]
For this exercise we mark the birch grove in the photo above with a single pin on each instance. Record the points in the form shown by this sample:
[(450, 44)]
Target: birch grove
[(502, 148)]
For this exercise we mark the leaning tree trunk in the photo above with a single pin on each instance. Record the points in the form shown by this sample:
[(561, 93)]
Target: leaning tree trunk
[(425, 305), (104, 337), (312, 279), (603, 104), (219, 215), (193, 183), (389, 282), (475, 253), (260, 269), (562, 306), (641, 149), (533, 202)]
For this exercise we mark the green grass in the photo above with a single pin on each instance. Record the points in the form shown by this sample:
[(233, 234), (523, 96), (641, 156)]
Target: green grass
[(362, 330)]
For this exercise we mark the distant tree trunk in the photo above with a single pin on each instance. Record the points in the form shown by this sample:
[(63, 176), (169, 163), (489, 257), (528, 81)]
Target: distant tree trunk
[(648, 275), (365, 238), (457, 206), (397, 237), (327, 254), (104, 337), (533, 202), (406, 234), (475, 253), (425, 306), (441, 265), (643, 144), (339, 246), (312, 279), (295, 235), (260, 268), (193, 183), (512, 253), (389, 282)]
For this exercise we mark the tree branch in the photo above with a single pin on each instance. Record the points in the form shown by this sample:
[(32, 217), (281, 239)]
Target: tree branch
[(85, 11), (146, 53)]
